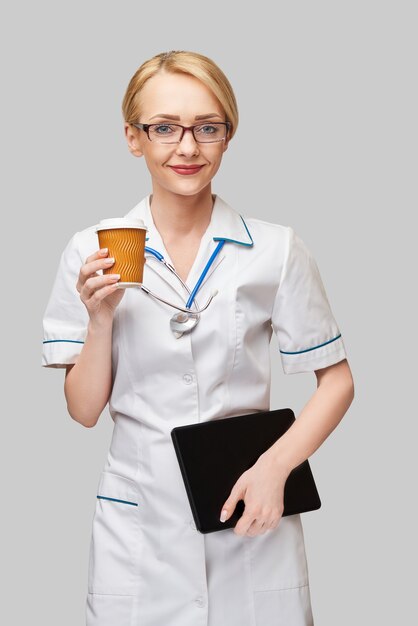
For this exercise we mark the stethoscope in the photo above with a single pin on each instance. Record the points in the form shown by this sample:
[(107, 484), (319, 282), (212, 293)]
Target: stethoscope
[(184, 320)]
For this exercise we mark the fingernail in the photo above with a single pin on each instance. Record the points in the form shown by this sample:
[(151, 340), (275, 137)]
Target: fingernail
[(110, 260), (223, 515), (104, 250)]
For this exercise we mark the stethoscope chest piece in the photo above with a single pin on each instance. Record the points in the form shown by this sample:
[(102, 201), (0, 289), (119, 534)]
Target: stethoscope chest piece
[(182, 323)]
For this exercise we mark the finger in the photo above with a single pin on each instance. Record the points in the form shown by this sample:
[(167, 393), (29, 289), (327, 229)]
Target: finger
[(101, 294), (261, 528), (228, 508), (98, 254), (237, 493), (275, 520), (91, 268), (245, 521), (243, 525), (258, 527), (98, 282), (254, 519), (256, 524), (95, 265)]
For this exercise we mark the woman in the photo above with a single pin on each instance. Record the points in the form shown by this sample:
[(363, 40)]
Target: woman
[(149, 566)]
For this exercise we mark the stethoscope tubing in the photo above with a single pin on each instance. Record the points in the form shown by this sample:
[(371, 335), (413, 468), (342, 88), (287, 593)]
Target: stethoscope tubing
[(203, 274), (192, 294), (179, 308)]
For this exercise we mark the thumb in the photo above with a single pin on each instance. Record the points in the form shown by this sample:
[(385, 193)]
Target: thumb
[(230, 504)]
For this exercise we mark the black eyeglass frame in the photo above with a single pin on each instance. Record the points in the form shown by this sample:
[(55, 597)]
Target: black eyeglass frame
[(146, 128)]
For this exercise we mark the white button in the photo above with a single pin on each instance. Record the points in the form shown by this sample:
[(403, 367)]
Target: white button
[(188, 379), (200, 601)]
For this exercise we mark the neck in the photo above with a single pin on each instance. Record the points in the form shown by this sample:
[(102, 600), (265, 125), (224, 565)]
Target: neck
[(177, 216)]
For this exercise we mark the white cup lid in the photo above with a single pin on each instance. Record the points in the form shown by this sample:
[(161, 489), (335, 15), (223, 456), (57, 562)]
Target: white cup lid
[(120, 222)]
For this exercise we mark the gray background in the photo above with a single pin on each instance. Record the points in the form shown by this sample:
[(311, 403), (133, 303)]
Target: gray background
[(331, 88)]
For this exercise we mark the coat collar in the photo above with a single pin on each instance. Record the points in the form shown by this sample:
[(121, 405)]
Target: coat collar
[(226, 224)]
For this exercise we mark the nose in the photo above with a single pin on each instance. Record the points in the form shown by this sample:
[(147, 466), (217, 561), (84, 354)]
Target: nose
[(188, 144)]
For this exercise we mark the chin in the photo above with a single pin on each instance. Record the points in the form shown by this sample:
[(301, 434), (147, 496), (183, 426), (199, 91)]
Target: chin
[(187, 188)]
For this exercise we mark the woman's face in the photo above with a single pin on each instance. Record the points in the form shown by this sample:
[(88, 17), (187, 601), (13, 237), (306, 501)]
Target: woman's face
[(178, 99)]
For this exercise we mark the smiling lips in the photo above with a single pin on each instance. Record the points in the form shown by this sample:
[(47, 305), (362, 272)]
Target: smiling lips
[(186, 170)]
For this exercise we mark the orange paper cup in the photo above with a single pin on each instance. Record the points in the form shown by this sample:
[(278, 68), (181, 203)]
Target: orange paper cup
[(125, 239)]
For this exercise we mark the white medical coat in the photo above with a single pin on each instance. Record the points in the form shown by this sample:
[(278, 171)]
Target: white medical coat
[(148, 564)]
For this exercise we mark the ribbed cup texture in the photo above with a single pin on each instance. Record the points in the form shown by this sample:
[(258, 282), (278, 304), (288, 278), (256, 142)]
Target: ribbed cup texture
[(126, 245)]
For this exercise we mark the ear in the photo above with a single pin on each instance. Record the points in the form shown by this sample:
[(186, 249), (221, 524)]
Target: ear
[(132, 137)]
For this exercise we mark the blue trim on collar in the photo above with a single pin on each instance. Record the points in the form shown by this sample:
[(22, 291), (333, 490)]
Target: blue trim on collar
[(242, 243)]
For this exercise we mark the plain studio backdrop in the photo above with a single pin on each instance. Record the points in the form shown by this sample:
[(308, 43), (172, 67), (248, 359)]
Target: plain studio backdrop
[(327, 143)]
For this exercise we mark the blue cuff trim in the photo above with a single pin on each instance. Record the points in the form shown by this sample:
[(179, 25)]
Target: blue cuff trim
[(116, 500), (314, 348), (69, 340)]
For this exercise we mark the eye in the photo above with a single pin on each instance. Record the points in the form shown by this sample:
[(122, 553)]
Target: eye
[(208, 129), (163, 129)]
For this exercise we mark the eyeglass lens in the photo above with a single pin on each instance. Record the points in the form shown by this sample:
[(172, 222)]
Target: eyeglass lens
[(171, 133)]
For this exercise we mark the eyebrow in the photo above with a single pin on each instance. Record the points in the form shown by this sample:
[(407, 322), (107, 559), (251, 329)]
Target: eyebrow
[(177, 117)]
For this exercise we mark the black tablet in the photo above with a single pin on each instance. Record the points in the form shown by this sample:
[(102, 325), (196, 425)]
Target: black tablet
[(212, 456)]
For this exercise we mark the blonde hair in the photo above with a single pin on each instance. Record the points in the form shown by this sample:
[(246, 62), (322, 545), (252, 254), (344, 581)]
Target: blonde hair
[(182, 61)]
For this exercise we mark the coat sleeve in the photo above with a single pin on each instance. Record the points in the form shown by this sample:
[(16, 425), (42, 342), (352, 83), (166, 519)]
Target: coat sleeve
[(66, 318), (308, 335)]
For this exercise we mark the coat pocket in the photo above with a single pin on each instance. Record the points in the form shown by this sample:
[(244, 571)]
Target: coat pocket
[(284, 607), (115, 542)]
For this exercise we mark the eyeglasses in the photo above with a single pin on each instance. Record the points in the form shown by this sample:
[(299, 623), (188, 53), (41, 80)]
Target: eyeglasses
[(173, 133)]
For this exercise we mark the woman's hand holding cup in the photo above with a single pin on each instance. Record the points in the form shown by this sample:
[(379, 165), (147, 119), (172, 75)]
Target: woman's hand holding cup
[(99, 292)]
